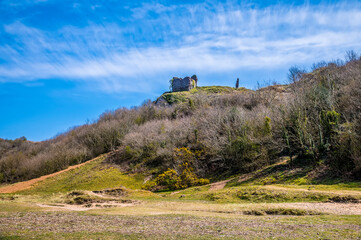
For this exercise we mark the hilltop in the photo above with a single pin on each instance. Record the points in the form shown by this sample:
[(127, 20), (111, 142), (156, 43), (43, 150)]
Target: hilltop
[(204, 92)]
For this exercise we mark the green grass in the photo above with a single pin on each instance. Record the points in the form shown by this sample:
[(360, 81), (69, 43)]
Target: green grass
[(177, 97), (10, 207), (217, 89), (92, 176), (183, 97), (298, 176), (96, 175), (258, 194)]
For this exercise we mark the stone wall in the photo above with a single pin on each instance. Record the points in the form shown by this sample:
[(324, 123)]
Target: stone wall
[(182, 84)]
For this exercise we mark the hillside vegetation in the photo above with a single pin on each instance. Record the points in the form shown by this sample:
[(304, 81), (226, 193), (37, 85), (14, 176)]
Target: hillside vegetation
[(315, 121), (98, 200)]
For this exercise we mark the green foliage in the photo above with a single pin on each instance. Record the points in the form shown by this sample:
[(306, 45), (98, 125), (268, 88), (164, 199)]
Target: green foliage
[(346, 149), (174, 98), (171, 180), (242, 153), (168, 179), (196, 135), (267, 126), (187, 178), (171, 85), (139, 120), (330, 121), (202, 181), (191, 103)]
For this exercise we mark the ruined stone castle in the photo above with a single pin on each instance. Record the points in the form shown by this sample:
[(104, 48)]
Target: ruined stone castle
[(184, 84)]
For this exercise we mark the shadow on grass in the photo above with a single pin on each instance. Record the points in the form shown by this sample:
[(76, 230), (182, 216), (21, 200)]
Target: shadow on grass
[(300, 172)]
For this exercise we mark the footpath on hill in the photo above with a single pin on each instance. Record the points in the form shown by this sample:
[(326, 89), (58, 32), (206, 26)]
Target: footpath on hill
[(28, 184)]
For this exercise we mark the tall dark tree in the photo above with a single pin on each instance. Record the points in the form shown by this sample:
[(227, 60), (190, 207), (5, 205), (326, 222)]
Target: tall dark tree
[(237, 83)]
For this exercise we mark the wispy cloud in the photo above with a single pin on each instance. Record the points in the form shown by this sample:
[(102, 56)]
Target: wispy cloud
[(158, 39)]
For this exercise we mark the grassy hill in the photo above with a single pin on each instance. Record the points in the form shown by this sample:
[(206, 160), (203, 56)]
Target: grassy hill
[(259, 186), (95, 175), (185, 96), (216, 132)]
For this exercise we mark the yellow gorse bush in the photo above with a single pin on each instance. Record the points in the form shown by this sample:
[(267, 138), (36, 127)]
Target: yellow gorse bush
[(171, 180)]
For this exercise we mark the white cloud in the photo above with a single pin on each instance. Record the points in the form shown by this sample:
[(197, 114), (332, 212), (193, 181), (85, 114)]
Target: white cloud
[(215, 39)]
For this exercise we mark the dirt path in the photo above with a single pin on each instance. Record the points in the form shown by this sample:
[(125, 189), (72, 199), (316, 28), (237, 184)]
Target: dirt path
[(331, 208), (110, 204), (339, 192), (218, 185), (28, 184), (325, 208)]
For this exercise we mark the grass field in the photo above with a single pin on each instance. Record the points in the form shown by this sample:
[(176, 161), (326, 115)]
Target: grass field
[(98, 201)]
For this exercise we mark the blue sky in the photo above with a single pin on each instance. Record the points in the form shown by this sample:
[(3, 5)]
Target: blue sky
[(62, 63)]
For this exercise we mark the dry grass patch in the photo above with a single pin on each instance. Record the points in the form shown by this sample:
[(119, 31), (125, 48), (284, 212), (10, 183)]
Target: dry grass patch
[(281, 211), (61, 225)]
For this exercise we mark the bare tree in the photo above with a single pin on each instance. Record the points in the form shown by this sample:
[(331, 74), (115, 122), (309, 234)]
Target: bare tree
[(295, 73), (350, 56)]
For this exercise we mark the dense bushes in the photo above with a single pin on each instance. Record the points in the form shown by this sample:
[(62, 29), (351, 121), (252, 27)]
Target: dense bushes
[(319, 124), (186, 177), (317, 117), (240, 132)]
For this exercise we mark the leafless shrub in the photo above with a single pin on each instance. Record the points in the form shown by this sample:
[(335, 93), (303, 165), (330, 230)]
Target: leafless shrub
[(295, 74)]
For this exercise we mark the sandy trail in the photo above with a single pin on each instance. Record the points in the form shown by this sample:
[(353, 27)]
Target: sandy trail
[(325, 208), (330, 208), (28, 184), (339, 192), (213, 186), (59, 207), (218, 185)]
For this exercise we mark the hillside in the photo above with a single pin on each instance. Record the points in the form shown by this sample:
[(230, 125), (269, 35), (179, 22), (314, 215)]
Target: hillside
[(79, 204), (98, 175), (215, 132), (99, 200), (215, 162)]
